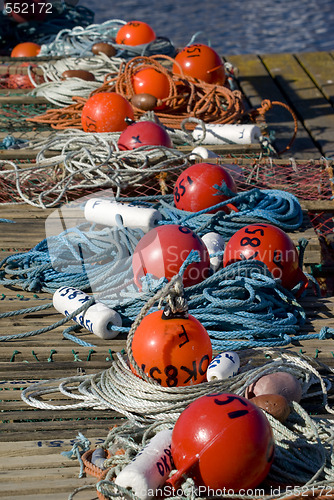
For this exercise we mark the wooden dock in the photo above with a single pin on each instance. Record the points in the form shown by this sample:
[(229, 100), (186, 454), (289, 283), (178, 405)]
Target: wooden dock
[(32, 440)]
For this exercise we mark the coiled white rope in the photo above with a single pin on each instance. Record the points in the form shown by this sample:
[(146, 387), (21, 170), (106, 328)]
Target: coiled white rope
[(303, 463), (88, 161), (144, 402), (100, 65), (78, 41), (60, 92)]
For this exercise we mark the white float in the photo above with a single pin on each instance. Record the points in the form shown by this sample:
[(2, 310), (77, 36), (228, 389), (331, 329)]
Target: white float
[(217, 133), (223, 366), (104, 211), (150, 469), (98, 318)]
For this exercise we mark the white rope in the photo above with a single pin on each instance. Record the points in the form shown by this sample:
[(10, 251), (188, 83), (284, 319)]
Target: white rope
[(61, 92), (78, 40), (303, 457), (100, 65), (88, 161), (117, 388)]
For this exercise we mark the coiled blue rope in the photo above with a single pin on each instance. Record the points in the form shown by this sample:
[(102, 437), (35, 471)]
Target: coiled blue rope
[(42, 268), (225, 302)]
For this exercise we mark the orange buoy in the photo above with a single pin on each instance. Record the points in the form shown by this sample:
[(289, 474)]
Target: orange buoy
[(194, 189), (162, 251), (222, 441), (106, 112), (151, 81), (201, 62), (173, 351), (135, 33), (26, 49)]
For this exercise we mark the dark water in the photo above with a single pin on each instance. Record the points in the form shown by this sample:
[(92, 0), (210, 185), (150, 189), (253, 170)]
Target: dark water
[(239, 27)]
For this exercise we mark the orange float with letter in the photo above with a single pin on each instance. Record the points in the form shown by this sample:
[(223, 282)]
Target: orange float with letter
[(135, 33), (26, 49), (106, 112), (144, 133), (270, 245), (201, 62), (173, 351), (222, 441), (162, 251), (194, 189)]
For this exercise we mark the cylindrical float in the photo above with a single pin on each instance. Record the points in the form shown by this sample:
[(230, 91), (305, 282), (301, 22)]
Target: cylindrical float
[(217, 133), (104, 211), (215, 244), (149, 470), (97, 319), (224, 365)]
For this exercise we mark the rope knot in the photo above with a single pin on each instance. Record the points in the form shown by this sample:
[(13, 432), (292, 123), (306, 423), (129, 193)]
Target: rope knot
[(326, 333), (266, 105), (176, 303)]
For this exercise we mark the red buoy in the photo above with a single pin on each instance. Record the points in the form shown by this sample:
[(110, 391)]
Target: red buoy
[(270, 245), (172, 351), (26, 49), (106, 112), (194, 189), (201, 62), (222, 441), (135, 33), (144, 133), (162, 251)]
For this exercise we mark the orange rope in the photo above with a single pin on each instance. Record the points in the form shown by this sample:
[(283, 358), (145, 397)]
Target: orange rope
[(266, 105), (187, 97)]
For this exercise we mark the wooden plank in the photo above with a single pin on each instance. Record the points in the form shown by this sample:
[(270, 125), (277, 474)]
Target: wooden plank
[(320, 67), (257, 84), (22, 99), (313, 109), (24, 154)]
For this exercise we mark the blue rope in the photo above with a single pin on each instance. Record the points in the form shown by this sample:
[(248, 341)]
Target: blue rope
[(36, 270), (9, 221), (240, 306)]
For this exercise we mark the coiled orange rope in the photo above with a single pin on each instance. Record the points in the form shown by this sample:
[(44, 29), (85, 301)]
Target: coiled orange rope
[(187, 97)]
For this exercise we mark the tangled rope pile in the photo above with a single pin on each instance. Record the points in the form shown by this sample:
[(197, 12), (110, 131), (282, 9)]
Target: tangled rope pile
[(303, 457), (240, 306), (59, 91), (303, 445), (93, 161), (187, 98), (86, 163), (143, 401), (79, 40)]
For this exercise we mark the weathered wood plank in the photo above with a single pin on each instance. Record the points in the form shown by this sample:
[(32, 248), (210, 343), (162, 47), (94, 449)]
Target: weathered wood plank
[(313, 109), (320, 67), (257, 84)]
